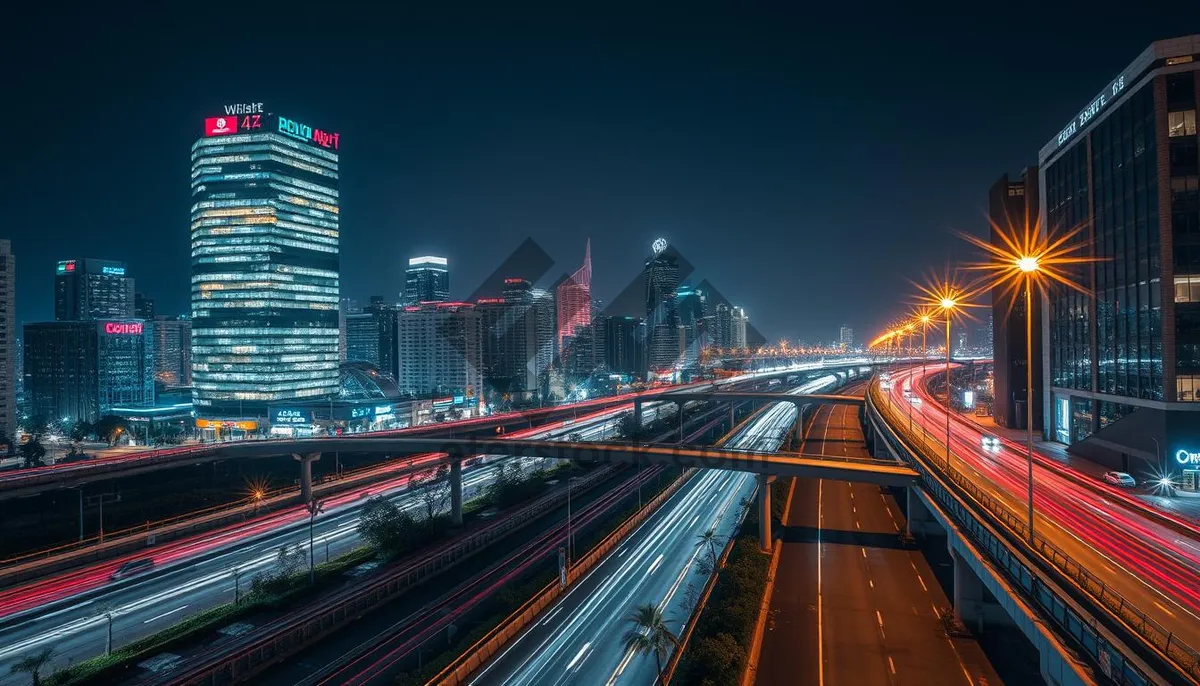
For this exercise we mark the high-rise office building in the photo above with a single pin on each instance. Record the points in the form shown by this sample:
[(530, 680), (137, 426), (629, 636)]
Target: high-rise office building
[(1122, 364), (846, 337), (509, 343), (574, 299), (143, 307), (546, 315), (8, 341), (693, 306), (172, 352), (441, 349), (80, 370), (623, 351), (723, 326), (427, 280), (740, 324), (384, 315), (362, 338), (662, 308), (1013, 207), (265, 264), (88, 288)]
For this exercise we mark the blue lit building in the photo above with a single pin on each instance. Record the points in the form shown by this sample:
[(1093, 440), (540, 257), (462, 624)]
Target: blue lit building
[(1122, 365), (264, 264), (82, 370)]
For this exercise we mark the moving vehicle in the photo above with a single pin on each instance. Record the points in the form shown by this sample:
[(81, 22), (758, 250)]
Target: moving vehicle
[(132, 568), (1120, 479), (989, 442)]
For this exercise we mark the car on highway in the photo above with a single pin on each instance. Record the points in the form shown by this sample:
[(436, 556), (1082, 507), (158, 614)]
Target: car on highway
[(132, 568), (1120, 479), (989, 442)]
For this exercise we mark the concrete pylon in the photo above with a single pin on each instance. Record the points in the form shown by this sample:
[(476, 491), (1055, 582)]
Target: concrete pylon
[(679, 411), (637, 419), (306, 461), (764, 512), (456, 493)]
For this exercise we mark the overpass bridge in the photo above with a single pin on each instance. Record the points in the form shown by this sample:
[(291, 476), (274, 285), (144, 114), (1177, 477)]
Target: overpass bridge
[(28, 482)]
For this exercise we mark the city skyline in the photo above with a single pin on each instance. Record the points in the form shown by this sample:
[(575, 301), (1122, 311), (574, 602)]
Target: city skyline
[(430, 181)]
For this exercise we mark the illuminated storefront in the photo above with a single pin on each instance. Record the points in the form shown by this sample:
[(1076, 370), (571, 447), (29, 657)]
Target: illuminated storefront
[(264, 264)]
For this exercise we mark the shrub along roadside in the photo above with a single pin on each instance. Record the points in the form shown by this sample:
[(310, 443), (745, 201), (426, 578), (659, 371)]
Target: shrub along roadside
[(716, 653)]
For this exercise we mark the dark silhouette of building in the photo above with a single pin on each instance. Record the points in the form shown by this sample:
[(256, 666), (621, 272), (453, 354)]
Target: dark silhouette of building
[(1013, 208)]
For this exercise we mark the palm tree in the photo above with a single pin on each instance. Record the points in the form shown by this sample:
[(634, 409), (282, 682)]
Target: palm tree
[(650, 634), (32, 664), (709, 538)]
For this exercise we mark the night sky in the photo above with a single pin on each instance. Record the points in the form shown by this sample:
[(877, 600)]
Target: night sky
[(807, 164)]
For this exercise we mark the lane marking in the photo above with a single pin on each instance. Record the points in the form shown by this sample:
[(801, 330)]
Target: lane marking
[(578, 656), (922, 583), (165, 614)]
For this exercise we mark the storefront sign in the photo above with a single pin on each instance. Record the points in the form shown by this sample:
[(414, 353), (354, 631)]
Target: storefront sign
[(291, 417)]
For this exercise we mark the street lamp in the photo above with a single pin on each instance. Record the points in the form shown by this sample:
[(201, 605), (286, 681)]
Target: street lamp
[(314, 508), (1029, 266), (1027, 256), (948, 303)]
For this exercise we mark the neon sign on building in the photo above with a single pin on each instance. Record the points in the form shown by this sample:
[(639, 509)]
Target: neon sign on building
[(123, 328), (1185, 457), (305, 132)]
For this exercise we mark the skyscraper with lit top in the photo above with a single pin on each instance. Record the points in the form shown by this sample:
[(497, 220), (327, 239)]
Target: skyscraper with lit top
[(264, 263)]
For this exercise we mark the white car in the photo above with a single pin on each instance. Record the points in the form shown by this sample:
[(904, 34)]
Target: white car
[(989, 442), (1120, 479)]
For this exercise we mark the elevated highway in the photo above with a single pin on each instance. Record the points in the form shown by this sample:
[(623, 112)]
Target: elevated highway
[(1103, 592)]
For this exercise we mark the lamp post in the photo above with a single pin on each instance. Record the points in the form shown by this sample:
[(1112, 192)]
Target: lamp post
[(948, 305), (314, 508), (1029, 267)]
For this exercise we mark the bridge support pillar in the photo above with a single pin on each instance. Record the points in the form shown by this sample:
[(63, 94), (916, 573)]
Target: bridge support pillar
[(732, 416), (764, 512), (918, 518), (637, 419), (974, 605), (679, 411), (456, 493), (799, 440), (306, 461)]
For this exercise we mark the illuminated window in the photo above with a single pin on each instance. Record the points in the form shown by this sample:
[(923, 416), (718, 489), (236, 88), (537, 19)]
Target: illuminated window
[(1187, 288), (1181, 123)]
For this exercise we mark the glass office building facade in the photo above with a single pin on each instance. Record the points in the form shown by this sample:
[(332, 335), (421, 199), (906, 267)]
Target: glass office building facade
[(1128, 348), (264, 263)]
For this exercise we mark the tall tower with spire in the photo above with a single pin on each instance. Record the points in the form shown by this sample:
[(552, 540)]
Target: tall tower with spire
[(575, 299)]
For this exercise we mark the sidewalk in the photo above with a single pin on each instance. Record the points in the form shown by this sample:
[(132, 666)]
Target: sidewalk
[(1183, 504)]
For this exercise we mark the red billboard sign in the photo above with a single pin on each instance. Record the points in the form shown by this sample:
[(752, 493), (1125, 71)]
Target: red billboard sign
[(220, 126)]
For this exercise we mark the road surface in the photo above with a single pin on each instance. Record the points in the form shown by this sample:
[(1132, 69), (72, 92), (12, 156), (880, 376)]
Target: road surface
[(578, 639), (850, 605)]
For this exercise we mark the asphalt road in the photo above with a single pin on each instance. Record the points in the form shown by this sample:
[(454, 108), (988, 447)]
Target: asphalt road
[(77, 628), (578, 640), (850, 605)]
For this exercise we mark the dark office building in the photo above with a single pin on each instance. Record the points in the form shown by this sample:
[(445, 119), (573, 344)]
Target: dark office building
[(384, 315), (509, 345), (362, 338), (1013, 206), (79, 371), (143, 307), (172, 352), (623, 350), (87, 289), (1123, 361)]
